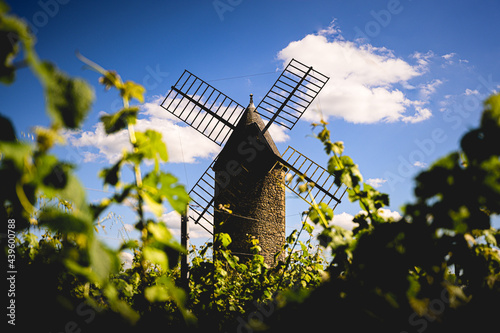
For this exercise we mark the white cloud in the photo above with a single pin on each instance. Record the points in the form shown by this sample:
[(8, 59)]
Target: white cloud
[(173, 221), (423, 60), (278, 133), (449, 56), (420, 115), (376, 182), (344, 220), (388, 214), (420, 164), (364, 80), (469, 92), (126, 259), (426, 90), (184, 144)]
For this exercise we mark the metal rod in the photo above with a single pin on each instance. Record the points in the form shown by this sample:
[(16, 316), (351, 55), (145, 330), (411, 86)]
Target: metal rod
[(201, 106), (184, 256), (284, 103), (288, 165)]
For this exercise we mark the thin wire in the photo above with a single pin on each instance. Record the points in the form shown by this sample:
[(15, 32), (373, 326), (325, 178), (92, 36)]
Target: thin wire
[(241, 77), (94, 189)]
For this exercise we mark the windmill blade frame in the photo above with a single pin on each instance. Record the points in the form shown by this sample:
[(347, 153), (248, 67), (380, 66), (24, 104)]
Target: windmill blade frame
[(320, 182), (215, 115), (202, 196), (203, 107), (290, 96)]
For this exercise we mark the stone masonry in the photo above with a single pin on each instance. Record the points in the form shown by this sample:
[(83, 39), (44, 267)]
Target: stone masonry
[(246, 186)]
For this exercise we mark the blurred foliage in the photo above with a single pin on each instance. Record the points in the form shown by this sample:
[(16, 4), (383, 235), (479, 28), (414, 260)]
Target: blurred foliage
[(67, 274), (437, 269)]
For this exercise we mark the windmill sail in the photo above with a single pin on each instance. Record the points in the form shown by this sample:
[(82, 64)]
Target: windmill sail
[(291, 94), (203, 107), (321, 183), (202, 200), (215, 115)]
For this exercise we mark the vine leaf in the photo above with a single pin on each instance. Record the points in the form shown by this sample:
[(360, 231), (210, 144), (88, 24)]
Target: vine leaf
[(120, 120), (68, 99)]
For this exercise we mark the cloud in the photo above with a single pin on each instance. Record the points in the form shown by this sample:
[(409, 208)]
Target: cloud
[(449, 56), (278, 133), (389, 215), (423, 60), (420, 164), (426, 90), (376, 182), (469, 92), (420, 115), (173, 221), (184, 144), (344, 220), (126, 259), (364, 80)]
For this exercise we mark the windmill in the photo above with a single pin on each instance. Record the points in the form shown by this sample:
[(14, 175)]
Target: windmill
[(242, 192)]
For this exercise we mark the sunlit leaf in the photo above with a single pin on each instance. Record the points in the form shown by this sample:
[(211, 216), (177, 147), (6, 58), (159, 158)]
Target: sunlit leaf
[(59, 221), (155, 256), (110, 79), (131, 90), (120, 120), (102, 260), (68, 99)]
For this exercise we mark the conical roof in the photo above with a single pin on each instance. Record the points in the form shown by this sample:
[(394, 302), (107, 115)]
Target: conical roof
[(250, 125)]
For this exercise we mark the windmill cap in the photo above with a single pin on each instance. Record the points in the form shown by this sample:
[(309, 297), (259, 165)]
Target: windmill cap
[(251, 106)]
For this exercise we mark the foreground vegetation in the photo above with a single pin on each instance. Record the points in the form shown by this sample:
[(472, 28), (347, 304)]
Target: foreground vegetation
[(437, 269)]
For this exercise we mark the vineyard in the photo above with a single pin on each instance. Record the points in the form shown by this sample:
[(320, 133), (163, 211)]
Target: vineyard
[(437, 269)]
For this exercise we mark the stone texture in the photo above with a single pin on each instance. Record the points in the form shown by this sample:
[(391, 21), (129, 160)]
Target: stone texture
[(246, 185)]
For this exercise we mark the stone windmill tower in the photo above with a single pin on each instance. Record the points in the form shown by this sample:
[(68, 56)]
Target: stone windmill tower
[(256, 194), (242, 193)]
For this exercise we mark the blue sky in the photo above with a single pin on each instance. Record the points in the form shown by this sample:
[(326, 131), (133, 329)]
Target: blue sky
[(407, 78)]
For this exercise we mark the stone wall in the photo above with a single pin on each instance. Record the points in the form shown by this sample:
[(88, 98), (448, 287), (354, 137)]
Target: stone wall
[(257, 201)]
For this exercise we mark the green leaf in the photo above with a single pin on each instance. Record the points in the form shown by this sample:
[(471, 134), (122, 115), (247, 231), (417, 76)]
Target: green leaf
[(130, 244), (155, 206), (156, 294), (9, 48), (120, 120), (102, 260), (338, 148), (111, 175), (151, 145), (229, 259), (59, 221), (53, 174), (13, 32), (160, 232), (175, 194), (7, 133), (156, 256), (68, 99), (4, 8), (131, 90), (309, 228), (74, 193), (47, 137), (17, 152), (223, 239), (111, 79)]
